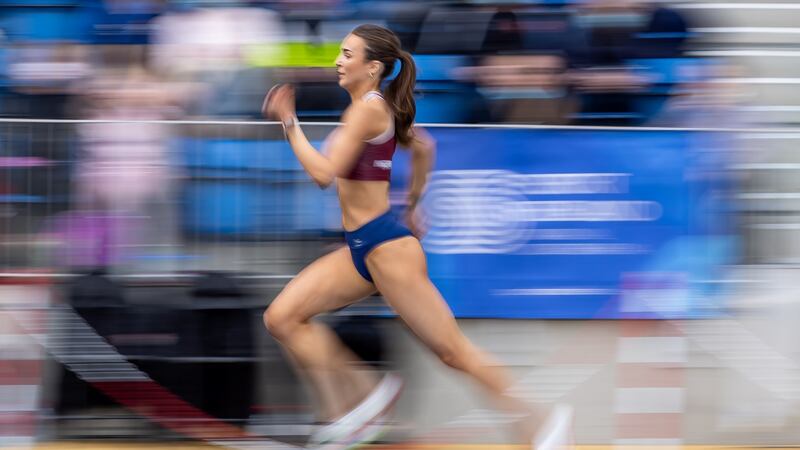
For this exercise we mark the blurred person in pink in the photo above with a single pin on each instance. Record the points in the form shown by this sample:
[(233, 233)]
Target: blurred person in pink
[(124, 172), (382, 253)]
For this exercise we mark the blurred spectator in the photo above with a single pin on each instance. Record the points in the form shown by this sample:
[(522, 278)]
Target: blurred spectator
[(526, 55), (525, 88), (504, 34), (605, 82), (41, 78), (664, 34), (124, 173), (620, 32), (222, 47)]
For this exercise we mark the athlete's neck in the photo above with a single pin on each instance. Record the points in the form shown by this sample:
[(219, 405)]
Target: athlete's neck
[(358, 92)]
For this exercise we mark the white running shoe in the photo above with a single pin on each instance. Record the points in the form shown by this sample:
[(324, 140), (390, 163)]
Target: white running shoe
[(362, 423), (371, 432), (556, 433)]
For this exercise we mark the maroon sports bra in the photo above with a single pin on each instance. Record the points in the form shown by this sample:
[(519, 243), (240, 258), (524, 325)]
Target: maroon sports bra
[(375, 162)]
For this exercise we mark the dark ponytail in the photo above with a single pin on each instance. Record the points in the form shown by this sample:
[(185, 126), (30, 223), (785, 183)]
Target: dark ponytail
[(384, 46), (400, 95)]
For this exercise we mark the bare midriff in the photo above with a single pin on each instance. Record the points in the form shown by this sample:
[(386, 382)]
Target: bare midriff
[(361, 201)]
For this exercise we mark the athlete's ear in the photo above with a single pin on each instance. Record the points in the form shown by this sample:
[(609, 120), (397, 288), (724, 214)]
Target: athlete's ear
[(375, 69)]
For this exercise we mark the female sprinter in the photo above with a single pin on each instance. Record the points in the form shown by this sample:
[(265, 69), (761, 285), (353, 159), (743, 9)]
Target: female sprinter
[(381, 253)]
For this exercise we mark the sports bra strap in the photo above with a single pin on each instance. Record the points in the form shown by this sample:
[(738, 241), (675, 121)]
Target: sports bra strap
[(389, 132)]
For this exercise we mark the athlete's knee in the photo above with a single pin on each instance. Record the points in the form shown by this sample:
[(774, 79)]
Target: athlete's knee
[(453, 355), (279, 322)]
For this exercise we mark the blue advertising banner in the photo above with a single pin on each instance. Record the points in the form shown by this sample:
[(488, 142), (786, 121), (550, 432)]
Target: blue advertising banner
[(522, 223), (575, 224)]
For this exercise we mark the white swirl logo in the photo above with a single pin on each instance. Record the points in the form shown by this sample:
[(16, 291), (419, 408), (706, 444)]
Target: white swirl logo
[(495, 211), (474, 211)]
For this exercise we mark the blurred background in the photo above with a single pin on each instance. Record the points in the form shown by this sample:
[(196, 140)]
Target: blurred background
[(614, 213)]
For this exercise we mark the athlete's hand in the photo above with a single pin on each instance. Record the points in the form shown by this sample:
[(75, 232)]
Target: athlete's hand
[(415, 220), (279, 103)]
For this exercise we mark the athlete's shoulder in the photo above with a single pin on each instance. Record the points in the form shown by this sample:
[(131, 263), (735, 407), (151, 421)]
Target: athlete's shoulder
[(366, 117), (370, 110)]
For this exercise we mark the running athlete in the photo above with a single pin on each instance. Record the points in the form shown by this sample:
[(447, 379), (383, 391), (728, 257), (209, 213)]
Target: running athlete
[(381, 254)]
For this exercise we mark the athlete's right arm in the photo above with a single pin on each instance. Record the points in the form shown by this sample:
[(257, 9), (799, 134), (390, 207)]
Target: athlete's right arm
[(344, 147)]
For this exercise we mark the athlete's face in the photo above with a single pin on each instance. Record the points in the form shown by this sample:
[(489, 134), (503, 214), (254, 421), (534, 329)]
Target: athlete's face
[(352, 66)]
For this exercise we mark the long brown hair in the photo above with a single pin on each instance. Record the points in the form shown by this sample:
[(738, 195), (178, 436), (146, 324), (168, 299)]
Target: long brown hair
[(384, 46)]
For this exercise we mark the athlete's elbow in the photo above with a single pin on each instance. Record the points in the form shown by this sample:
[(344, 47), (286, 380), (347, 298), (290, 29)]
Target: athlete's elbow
[(424, 144), (425, 154), (324, 180)]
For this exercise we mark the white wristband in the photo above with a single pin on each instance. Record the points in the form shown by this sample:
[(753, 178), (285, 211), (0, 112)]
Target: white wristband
[(289, 123)]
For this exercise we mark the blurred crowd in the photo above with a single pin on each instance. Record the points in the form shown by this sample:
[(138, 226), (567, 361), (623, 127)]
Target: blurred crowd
[(621, 62), (136, 180)]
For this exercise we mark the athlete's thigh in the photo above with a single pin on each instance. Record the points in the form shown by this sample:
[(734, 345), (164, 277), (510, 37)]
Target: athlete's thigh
[(329, 283), (400, 273)]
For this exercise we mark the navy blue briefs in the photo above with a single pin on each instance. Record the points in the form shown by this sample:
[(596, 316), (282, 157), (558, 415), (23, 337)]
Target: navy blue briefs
[(361, 241)]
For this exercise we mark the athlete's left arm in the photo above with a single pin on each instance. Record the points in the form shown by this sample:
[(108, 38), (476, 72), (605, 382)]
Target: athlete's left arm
[(423, 155)]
